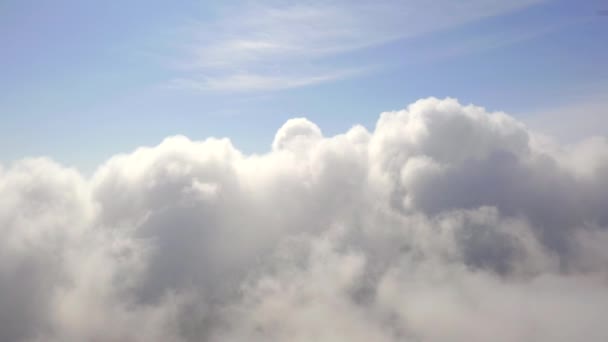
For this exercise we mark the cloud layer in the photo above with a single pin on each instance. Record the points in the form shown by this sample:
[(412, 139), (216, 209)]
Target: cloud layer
[(445, 223)]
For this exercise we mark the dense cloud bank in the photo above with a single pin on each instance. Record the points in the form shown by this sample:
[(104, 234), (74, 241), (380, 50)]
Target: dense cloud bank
[(446, 223)]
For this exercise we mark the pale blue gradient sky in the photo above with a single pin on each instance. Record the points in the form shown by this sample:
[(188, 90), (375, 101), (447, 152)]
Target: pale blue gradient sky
[(83, 80)]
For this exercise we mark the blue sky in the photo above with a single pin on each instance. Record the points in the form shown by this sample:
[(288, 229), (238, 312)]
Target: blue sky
[(82, 80)]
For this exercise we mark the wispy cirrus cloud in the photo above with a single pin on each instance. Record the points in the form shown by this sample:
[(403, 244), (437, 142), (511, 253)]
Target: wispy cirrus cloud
[(246, 82), (279, 45)]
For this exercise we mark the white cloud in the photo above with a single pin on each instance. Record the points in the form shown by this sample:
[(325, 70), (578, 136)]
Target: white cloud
[(444, 223)]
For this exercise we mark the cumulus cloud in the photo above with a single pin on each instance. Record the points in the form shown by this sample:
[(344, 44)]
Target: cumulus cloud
[(444, 223)]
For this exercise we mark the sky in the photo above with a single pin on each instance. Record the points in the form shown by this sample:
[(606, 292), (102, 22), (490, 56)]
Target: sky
[(270, 171), (71, 70)]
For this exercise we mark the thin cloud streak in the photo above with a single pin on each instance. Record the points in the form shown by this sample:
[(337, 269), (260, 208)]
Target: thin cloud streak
[(255, 44), (255, 82)]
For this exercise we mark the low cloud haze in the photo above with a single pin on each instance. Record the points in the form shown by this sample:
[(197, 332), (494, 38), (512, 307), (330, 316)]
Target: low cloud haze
[(446, 222)]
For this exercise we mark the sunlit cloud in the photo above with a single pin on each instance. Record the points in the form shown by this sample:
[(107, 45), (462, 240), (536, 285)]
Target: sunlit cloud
[(443, 215)]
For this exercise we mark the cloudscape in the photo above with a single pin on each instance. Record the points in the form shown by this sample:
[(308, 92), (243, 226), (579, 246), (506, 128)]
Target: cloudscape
[(442, 220), (446, 222)]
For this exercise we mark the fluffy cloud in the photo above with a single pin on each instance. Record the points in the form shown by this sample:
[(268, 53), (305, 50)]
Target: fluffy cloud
[(445, 223)]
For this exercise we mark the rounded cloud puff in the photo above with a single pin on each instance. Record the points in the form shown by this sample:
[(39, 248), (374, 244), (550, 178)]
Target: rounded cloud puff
[(296, 134), (444, 223)]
